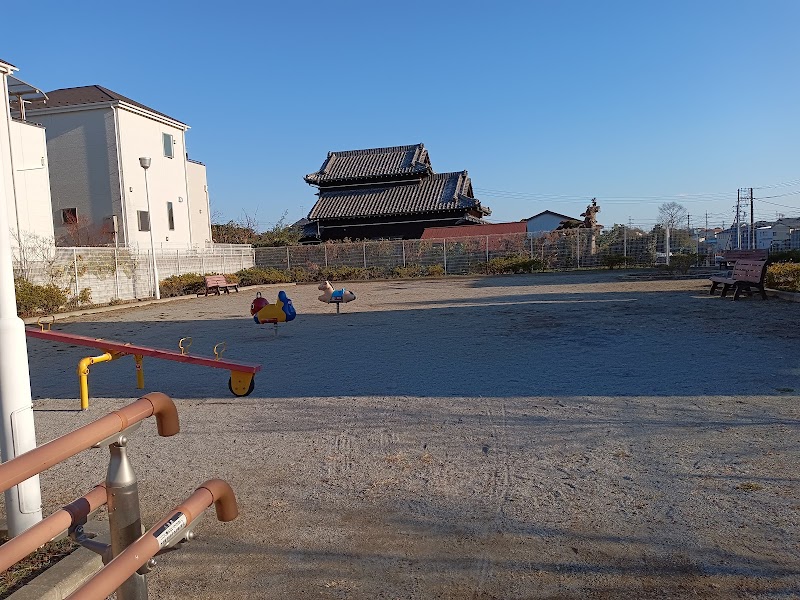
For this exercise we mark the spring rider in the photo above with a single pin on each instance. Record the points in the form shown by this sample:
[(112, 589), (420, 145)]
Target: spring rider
[(332, 296), (280, 312)]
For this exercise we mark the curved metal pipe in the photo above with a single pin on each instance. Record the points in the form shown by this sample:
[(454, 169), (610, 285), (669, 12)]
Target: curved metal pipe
[(115, 573), (42, 458), (74, 513)]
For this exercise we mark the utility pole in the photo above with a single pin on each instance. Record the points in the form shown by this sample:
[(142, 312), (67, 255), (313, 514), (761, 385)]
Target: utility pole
[(738, 229), (752, 225)]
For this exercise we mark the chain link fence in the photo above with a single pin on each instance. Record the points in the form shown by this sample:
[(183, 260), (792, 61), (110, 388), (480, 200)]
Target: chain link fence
[(115, 274), (561, 250)]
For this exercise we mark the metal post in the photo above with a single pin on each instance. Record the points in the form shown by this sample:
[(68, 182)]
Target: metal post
[(178, 260), (624, 241), (365, 255), (444, 254), (203, 263), (23, 502), (75, 267), (124, 518), (404, 252), (116, 273), (223, 262), (666, 243), (487, 249), (288, 261), (144, 162), (531, 247)]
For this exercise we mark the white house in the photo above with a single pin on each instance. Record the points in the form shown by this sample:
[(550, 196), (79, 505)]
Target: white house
[(547, 221), (28, 185), (100, 192)]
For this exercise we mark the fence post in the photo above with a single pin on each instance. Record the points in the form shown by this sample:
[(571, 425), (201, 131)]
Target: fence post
[(487, 249), (241, 260), (116, 273), (223, 262), (365, 255), (403, 242), (254, 257), (178, 259), (444, 254), (203, 263), (124, 518), (531, 247), (578, 247), (75, 265), (288, 260), (325, 246)]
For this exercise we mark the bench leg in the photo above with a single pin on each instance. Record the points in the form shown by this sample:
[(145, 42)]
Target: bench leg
[(737, 289), (763, 292), (714, 287), (725, 288)]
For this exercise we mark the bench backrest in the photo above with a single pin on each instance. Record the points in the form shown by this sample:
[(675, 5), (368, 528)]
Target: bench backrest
[(732, 255), (215, 280), (751, 271)]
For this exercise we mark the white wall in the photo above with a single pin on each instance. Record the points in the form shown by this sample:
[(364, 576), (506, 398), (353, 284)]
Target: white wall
[(167, 180), (199, 209), (82, 156), (545, 222), (31, 180)]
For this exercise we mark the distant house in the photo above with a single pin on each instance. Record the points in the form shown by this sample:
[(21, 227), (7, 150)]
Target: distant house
[(25, 162), (547, 221), (95, 138), (432, 233), (387, 193)]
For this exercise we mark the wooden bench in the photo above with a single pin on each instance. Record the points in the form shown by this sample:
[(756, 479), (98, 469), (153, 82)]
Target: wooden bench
[(729, 257), (217, 284), (746, 274)]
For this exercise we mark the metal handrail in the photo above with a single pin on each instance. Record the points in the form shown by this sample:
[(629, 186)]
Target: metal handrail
[(162, 535), (71, 515), (42, 458)]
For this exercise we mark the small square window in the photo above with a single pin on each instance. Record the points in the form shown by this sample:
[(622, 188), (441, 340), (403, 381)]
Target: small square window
[(169, 151), (144, 220), (170, 216), (69, 216)]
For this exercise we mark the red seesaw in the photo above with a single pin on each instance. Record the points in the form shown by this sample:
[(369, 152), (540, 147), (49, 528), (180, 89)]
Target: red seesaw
[(241, 382)]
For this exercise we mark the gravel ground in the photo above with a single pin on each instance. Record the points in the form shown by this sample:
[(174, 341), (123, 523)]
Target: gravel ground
[(581, 435)]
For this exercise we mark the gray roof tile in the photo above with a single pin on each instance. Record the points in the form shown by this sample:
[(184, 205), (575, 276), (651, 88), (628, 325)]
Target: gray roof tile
[(372, 163), (435, 193)]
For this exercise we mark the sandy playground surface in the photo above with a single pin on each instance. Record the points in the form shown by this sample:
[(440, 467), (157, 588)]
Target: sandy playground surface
[(581, 435)]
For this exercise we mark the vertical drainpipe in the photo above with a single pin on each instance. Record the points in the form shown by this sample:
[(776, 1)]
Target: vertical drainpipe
[(122, 199)]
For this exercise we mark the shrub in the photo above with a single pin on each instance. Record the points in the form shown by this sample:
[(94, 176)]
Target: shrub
[(790, 256), (783, 276), (38, 299), (682, 262), (181, 285), (513, 264), (84, 297), (435, 271), (259, 276), (410, 270), (613, 260)]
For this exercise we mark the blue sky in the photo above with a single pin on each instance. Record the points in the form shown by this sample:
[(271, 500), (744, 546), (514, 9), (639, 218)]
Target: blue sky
[(546, 103)]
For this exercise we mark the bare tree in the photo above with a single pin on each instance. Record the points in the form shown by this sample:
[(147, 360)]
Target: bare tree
[(672, 215)]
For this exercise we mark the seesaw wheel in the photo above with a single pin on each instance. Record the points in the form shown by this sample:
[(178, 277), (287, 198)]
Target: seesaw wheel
[(249, 389)]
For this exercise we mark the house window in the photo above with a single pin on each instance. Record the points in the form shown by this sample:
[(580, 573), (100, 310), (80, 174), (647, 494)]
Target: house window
[(169, 151), (170, 216), (69, 216), (144, 220)]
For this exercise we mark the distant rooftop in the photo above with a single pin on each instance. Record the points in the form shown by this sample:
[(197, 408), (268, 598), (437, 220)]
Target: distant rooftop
[(391, 162)]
